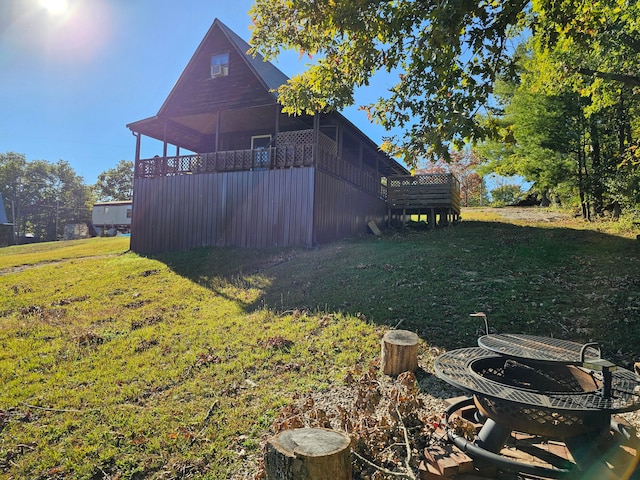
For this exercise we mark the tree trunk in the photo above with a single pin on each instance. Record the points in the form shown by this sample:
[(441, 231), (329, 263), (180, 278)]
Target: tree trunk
[(308, 454), (596, 164), (544, 201), (399, 352)]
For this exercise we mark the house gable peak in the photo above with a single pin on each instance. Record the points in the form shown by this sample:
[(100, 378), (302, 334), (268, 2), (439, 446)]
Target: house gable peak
[(218, 39)]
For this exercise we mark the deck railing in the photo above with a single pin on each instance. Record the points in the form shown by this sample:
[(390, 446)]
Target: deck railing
[(362, 177), (227, 161), (287, 156), (438, 189), (426, 179)]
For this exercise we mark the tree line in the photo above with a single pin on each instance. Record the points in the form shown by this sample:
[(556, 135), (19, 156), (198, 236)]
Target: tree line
[(546, 90), (41, 197)]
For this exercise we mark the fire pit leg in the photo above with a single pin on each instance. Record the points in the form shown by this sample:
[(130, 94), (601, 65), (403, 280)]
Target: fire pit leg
[(583, 449), (483, 457), (492, 436)]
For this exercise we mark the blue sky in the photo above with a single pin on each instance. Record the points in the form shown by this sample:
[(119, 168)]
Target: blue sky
[(72, 77)]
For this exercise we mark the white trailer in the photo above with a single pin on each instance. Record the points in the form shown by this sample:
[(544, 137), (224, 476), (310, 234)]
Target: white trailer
[(112, 216)]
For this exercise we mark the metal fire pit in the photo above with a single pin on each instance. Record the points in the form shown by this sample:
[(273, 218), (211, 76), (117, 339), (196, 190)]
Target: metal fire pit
[(540, 386)]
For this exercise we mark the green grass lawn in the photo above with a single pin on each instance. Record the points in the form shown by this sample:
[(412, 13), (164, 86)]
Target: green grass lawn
[(20, 255), (115, 365)]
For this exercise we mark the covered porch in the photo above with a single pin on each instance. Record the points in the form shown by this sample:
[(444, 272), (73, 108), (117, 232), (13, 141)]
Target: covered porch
[(324, 146)]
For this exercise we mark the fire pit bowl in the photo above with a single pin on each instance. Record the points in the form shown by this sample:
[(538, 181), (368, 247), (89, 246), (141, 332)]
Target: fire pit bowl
[(559, 399), (556, 380), (540, 387)]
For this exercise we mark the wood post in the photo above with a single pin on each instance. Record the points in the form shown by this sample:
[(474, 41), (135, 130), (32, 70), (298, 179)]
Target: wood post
[(308, 454), (399, 352), (138, 142)]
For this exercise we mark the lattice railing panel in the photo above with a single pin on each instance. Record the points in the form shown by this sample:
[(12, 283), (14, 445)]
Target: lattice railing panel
[(296, 137), (428, 179), (306, 137), (325, 143)]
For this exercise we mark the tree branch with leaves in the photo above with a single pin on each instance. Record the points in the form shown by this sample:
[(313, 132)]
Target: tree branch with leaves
[(115, 183), (445, 55)]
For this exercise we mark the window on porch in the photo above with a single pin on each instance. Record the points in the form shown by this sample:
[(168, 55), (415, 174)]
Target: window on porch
[(262, 154)]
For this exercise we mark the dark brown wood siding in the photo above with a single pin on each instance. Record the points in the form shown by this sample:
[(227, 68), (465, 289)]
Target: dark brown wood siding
[(255, 209), (341, 209), (199, 93)]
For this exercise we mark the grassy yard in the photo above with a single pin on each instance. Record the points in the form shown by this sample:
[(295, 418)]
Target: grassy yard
[(115, 365)]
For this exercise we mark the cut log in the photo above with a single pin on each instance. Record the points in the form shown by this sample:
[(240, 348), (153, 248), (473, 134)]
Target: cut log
[(399, 352), (308, 454)]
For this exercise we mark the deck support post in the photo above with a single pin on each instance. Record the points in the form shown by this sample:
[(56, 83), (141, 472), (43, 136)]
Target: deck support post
[(138, 143), (316, 131), (164, 143), (217, 145)]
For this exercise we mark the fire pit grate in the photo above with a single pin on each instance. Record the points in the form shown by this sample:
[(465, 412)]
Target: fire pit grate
[(457, 367), (540, 349)]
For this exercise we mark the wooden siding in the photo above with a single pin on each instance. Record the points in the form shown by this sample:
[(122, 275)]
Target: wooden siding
[(255, 209), (341, 209), (199, 93)]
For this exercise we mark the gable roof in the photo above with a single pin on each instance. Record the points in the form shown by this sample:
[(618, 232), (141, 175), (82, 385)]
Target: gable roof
[(191, 110), (171, 122), (269, 76), (268, 73)]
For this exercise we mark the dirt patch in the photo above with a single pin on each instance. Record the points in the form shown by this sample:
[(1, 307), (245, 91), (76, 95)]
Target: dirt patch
[(529, 214)]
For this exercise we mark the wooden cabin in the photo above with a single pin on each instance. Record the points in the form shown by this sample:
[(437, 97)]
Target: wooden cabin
[(235, 171)]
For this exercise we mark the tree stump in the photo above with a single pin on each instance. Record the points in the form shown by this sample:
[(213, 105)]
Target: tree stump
[(308, 454), (399, 352)]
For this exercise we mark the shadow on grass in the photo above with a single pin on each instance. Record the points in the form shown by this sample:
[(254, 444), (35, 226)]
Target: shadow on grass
[(579, 285)]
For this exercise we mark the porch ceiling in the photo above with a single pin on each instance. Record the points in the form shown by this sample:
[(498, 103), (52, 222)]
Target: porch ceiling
[(193, 132)]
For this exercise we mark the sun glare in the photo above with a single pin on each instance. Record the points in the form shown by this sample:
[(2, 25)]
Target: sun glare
[(55, 7)]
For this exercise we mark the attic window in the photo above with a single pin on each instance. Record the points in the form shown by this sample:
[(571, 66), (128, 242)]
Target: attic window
[(220, 65)]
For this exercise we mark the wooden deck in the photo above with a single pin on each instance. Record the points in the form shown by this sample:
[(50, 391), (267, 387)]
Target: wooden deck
[(437, 196)]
